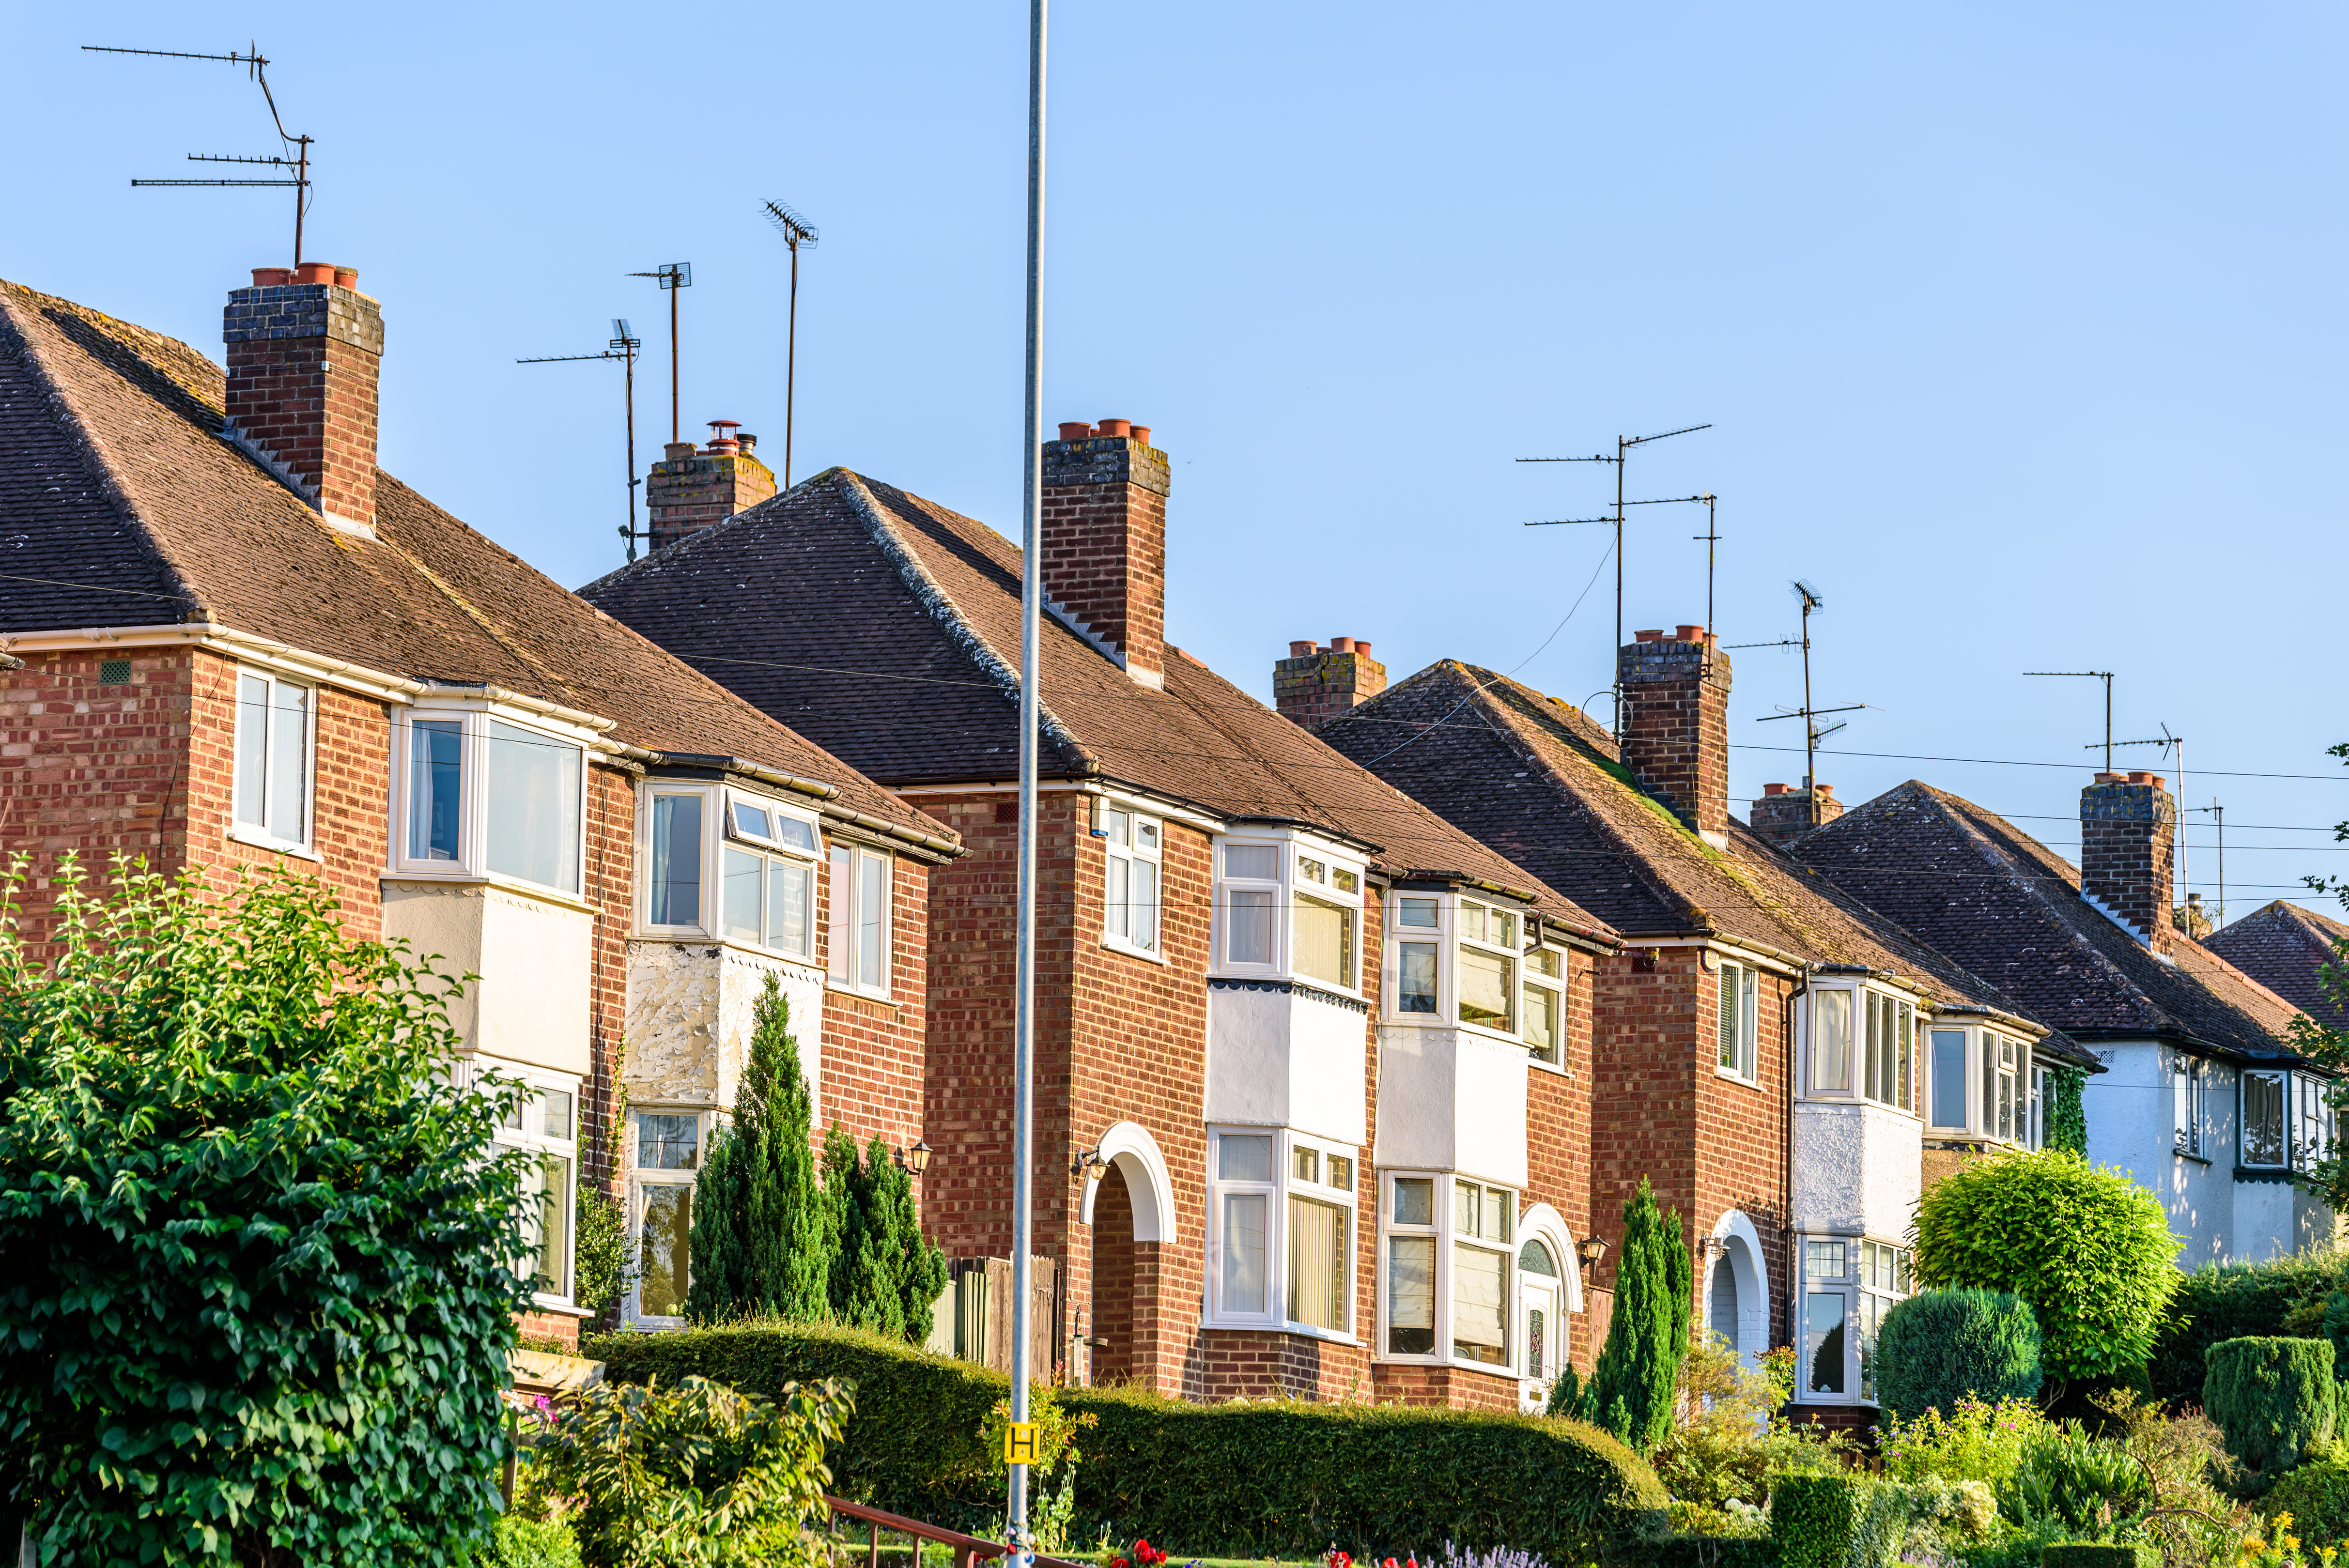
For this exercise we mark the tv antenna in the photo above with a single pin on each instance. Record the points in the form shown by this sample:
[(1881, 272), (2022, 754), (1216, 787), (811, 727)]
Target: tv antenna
[(1623, 445), (2105, 676), (1812, 603), (2172, 743), (624, 347), (673, 276), (256, 70), (796, 232)]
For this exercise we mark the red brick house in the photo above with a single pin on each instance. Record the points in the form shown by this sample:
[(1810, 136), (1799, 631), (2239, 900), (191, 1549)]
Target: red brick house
[(238, 642), (1313, 1063), (1757, 1042)]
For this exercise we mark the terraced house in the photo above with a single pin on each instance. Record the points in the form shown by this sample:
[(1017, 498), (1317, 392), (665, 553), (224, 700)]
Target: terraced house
[(242, 643), (1764, 1045), (1314, 1064)]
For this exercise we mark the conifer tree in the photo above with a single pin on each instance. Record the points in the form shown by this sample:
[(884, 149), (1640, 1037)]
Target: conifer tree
[(886, 1275), (760, 1241), (1632, 1389)]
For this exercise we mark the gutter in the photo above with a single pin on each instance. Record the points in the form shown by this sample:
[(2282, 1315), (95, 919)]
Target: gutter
[(944, 849)]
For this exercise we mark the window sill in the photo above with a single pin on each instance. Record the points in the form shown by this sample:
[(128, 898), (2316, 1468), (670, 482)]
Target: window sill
[(2198, 1159), (559, 1306), (1113, 944), (453, 876), (1555, 1070), (835, 988), (1739, 1079), (1505, 1374), (274, 846)]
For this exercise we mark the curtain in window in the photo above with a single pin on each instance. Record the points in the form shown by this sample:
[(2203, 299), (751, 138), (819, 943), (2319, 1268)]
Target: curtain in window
[(1323, 937), (1249, 917), (1480, 1328), (668, 1220), (1415, 986), (1486, 981), (533, 808), (1831, 1042), (1411, 1296), (1244, 1245), (677, 859), (1732, 1029), (1317, 1264)]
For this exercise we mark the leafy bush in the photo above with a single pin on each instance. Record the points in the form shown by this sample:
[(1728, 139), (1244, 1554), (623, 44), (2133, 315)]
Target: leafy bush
[(2232, 1301), (521, 1542), (256, 1301), (1729, 1444), (1694, 1550), (2067, 1118), (1814, 1520), (692, 1475), (1630, 1388), (2274, 1397), (1941, 1345), (2079, 1482), (1390, 1475), (2100, 1555), (2316, 1496), (2087, 1247), (1975, 1441)]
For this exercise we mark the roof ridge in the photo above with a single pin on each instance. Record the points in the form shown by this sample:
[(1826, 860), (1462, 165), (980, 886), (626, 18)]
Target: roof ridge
[(111, 483), (883, 526)]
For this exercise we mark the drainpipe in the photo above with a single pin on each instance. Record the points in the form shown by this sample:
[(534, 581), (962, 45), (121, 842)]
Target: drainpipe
[(1793, 1247)]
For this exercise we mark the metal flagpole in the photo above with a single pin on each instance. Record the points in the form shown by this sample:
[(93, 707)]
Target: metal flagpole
[(1023, 1049)]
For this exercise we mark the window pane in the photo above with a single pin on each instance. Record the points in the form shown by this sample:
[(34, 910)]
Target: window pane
[(1948, 1077), (1145, 904), (741, 896), (1547, 960), (1823, 1316), (1304, 1164), (1415, 979), (1545, 1024), (2262, 1118), (752, 819), (252, 751), (1472, 922), (668, 1142), (787, 907), (1907, 1031), (1250, 917), (1500, 1209), (1824, 1260), (1346, 880), (1243, 1158), (1260, 862), (1505, 929), (1244, 1216), (1465, 1196), (1487, 982), (873, 921), (1747, 1015), (1317, 1264), (1113, 824), (546, 1227), (1536, 1341), (1411, 1294), (1831, 1042), (1342, 1173), (1419, 913), (1145, 833), (842, 926), (289, 757), (1310, 870), (1480, 1318), (1323, 937), (1988, 1108), (1536, 1260), (669, 1219), (791, 831), (533, 808), (554, 1114), (677, 859), (1872, 1078), (2006, 1105), (1116, 918), (1415, 1200), (435, 747), (1732, 1029)]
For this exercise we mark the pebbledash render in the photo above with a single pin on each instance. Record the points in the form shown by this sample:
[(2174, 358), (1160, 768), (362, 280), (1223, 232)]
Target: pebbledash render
[(1314, 1066), (1759, 1043), (244, 645)]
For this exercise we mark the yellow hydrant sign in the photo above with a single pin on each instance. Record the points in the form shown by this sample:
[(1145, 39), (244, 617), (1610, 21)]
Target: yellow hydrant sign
[(1019, 1443)]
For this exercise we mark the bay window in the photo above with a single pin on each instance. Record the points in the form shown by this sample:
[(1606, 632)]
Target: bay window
[(1998, 1071), (674, 881), (1281, 1213), (862, 883), (1130, 873), (1322, 922), (543, 1124), (1288, 906), (1735, 1023), (481, 795), (1831, 1053), (1823, 1372), (753, 881), (2312, 1135), (271, 790), (1886, 1278), (1250, 904), (1448, 1267), (1488, 966), (2186, 1103), (2287, 1120), (1544, 1006), (668, 1160), (1889, 1074), (1980, 1083), (1949, 1108), (533, 807)]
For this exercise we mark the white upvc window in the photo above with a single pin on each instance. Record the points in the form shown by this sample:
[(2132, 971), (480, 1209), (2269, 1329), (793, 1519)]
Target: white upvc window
[(1738, 1025), (1977, 1083), (2287, 1124), (2186, 1074), (1446, 1270), (1833, 1052), (545, 1123), (1542, 1013), (1463, 960), (2036, 1136), (1825, 1374), (1280, 1231), (668, 1158), (1288, 906), (767, 877), (482, 795), (1889, 1050), (863, 883), (275, 726), (2313, 1133), (1887, 1276), (1134, 854)]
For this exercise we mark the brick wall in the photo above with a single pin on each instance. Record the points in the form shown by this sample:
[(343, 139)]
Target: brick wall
[(873, 1050), (1103, 538), (1782, 815), (1314, 685), (1676, 724), (2127, 836), (1559, 1136), (302, 367)]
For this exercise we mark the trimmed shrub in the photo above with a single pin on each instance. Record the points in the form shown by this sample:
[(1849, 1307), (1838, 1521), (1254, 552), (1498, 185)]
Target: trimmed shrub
[(2100, 1555), (532, 1544), (2087, 1247), (1630, 1390), (1707, 1551), (1285, 1479), (2273, 1399), (2316, 1495), (2233, 1301), (1937, 1348), (885, 1274), (1815, 1519)]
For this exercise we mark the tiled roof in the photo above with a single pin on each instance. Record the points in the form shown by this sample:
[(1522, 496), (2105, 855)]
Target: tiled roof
[(887, 627), (2008, 909), (1534, 777), (2282, 947), (121, 503)]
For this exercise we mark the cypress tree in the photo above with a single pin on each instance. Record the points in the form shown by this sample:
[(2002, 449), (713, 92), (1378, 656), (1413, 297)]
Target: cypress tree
[(760, 1241), (1631, 1391), (886, 1275)]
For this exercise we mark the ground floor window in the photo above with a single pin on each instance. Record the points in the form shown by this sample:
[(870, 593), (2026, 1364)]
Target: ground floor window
[(1449, 1265), (1848, 1284), (544, 1124), (661, 1202), (1281, 1230)]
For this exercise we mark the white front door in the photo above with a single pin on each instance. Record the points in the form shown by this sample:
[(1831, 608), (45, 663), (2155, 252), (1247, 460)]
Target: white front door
[(1543, 1325)]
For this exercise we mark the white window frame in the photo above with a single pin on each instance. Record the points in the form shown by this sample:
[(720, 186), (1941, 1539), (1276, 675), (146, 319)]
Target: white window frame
[(1454, 918), (471, 861), (1287, 1182), (1342, 876), (1994, 1059), (1334, 883), (1885, 1031), (843, 972), (2310, 1121), (1399, 935), (536, 1141), (1561, 986), (1123, 829), (1444, 1232), (643, 1179), (1814, 1279), (1853, 997), (2189, 1082), (772, 851), (258, 833), (712, 801), (1738, 1025)]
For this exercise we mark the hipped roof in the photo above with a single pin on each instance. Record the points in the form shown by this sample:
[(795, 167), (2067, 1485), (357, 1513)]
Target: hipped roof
[(2284, 947)]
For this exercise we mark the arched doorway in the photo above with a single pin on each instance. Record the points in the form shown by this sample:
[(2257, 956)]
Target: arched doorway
[(1736, 1289), (1113, 1283), (1541, 1292), (1130, 1207)]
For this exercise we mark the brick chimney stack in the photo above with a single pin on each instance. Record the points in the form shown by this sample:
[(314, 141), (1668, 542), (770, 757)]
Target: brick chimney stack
[(1104, 541), (688, 491), (304, 356), (1675, 726), (1314, 685), (2128, 826), (1783, 815)]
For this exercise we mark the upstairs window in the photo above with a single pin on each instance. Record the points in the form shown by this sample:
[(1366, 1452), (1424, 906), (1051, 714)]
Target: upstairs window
[(483, 796), (1288, 908), (1737, 1026), (1831, 1042), (436, 752), (1488, 966), (1999, 1100), (1949, 1088), (1251, 900), (1419, 924), (1890, 1075), (2287, 1125), (1323, 921), (674, 874), (768, 900), (272, 760), (862, 883), (1979, 1083), (1864, 1044), (533, 800), (1543, 1010), (1130, 877)]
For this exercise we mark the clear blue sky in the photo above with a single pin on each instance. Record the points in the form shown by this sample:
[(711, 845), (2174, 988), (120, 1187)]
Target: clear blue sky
[(2019, 326)]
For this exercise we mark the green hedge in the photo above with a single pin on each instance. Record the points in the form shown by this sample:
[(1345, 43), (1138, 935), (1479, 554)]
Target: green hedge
[(2234, 1301), (1814, 1519), (1940, 1345), (2316, 1495), (1274, 1479), (2273, 1397), (2100, 1555), (1703, 1551)]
